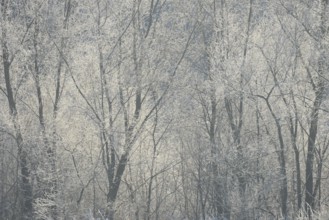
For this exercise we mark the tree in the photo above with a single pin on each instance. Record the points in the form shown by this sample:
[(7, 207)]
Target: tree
[(163, 109), (25, 188)]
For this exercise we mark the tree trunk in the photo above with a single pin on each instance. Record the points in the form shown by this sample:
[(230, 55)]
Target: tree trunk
[(282, 161), (309, 199), (26, 202)]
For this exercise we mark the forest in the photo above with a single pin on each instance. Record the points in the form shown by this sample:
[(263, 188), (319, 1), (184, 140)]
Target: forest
[(164, 109)]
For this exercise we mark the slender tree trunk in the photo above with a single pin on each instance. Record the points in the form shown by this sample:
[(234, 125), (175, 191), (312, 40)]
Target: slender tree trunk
[(293, 127), (219, 199), (309, 199), (313, 130), (293, 134), (282, 161), (25, 191)]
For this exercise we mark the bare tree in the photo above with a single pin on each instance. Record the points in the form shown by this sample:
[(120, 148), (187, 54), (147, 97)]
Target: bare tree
[(25, 189)]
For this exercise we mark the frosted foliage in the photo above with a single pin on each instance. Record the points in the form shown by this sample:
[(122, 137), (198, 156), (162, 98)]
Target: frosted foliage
[(164, 109)]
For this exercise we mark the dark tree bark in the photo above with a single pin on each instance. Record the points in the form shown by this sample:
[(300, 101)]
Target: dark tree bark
[(311, 150), (281, 158), (25, 191), (319, 88)]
